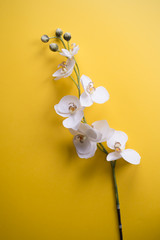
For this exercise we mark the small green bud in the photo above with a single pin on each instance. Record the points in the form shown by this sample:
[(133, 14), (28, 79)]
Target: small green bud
[(44, 38), (53, 47), (59, 32), (67, 36)]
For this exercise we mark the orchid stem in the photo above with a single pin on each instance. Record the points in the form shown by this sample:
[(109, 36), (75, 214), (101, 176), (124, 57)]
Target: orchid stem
[(60, 40), (74, 81), (113, 164), (68, 45)]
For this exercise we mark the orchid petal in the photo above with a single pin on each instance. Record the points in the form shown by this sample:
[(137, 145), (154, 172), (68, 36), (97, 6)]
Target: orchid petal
[(85, 81), (59, 113), (131, 156), (74, 120), (103, 127), (113, 156), (75, 50), (63, 74), (118, 136), (100, 95), (63, 105), (66, 53), (85, 100), (86, 149)]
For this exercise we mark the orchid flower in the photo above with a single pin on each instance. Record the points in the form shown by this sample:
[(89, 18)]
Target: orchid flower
[(70, 53), (70, 107), (117, 142), (85, 140), (65, 70), (92, 94), (103, 127)]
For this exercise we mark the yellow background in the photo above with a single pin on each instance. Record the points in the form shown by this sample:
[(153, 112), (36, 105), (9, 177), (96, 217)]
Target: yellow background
[(47, 192)]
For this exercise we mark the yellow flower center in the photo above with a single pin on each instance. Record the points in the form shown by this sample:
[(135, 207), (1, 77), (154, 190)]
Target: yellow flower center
[(117, 146), (81, 138), (72, 107), (63, 67), (90, 88)]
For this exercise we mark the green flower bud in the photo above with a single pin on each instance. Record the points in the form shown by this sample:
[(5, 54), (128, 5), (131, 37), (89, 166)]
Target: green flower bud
[(53, 47), (59, 32), (67, 36), (44, 38)]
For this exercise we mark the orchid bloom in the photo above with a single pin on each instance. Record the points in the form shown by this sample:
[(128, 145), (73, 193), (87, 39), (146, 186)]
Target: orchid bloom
[(65, 70), (103, 127), (70, 53), (70, 107), (92, 94), (117, 142), (85, 140)]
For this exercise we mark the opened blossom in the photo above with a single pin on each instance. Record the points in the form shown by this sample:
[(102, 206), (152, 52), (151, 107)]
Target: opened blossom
[(70, 53), (103, 127), (117, 142), (70, 107), (66, 69), (85, 140), (92, 94)]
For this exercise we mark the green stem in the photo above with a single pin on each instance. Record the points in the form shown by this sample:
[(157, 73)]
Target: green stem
[(74, 81), (63, 42), (60, 40), (77, 66), (68, 45), (113, 164)]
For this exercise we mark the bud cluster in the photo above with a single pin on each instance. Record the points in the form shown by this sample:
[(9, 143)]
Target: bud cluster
[(58, 35)]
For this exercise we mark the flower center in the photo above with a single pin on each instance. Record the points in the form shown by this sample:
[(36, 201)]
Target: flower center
[(63, 66), (90, 88), (117, 146), (80, 138), (72, 107)]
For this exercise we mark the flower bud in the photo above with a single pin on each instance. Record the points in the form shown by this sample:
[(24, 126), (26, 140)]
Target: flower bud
[(44, 38), (59, 32), (53, 47), (67, 36)]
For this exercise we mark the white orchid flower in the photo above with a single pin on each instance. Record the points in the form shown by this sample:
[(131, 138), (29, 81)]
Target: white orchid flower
[(65, 70), (117, 142), (103, 127), (70, 107), (85, 140), (92, 94), (70, 53)]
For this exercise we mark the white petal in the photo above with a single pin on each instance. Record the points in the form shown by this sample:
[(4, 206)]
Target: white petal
[(61, 74), (118, 136), (58, 73), (100, 95), (73, 131), (63, 105), (82, 147), (86, 149), (93, 134), (75, 50), (59, 113), (74, 120), (85, 100), (131, 156), (69, 72), (113, 156), (103, 127), (66, 53), (85, 81), (70, 63)]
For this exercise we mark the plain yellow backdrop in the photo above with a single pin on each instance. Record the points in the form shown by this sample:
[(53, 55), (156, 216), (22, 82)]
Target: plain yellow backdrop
[(47, 192)]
